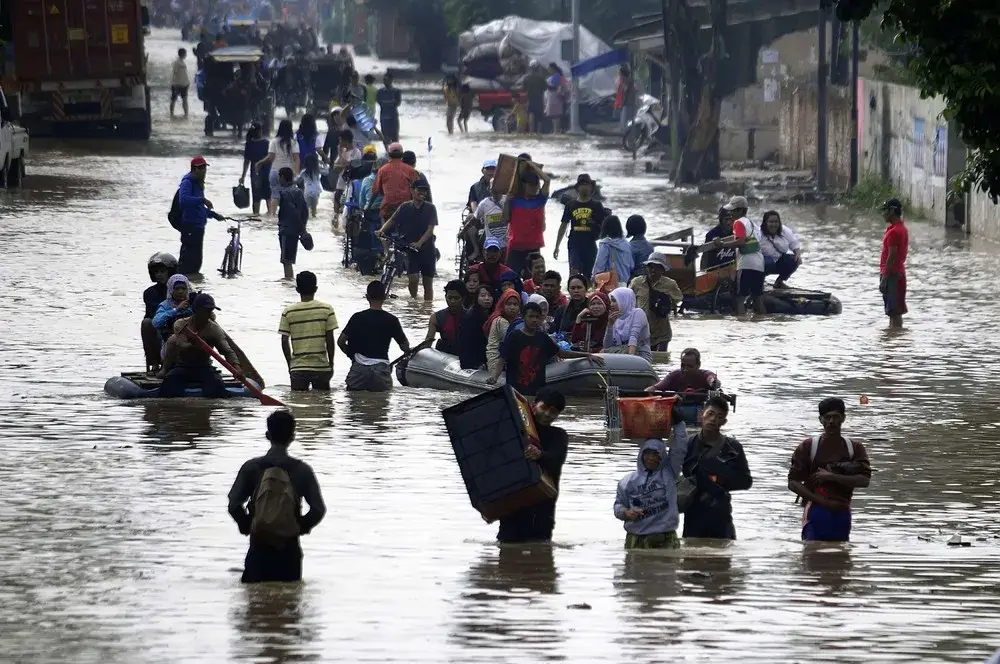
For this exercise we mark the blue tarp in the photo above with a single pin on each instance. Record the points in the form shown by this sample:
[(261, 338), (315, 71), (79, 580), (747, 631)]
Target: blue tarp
[(598, 62)]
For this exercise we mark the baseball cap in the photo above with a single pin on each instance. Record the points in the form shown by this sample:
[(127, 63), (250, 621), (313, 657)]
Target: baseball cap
[(198, 162), (489, 163), (892, 204), (396, 149), (204, 301), (736, 203), (492, 243)]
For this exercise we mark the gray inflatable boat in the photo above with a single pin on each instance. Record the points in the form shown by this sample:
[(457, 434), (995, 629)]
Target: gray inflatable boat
[(433, 369)]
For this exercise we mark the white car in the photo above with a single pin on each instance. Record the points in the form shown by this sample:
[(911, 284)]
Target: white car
[(13, 146)]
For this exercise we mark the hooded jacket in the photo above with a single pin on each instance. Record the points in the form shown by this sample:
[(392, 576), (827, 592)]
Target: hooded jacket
[(191, 196), (614, 252), (654, 491)]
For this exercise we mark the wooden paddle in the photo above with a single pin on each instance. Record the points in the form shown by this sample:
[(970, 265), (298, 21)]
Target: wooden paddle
[(265, 400)]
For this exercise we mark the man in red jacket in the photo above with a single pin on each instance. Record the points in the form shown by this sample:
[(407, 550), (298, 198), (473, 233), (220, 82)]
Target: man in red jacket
[(892, 264)]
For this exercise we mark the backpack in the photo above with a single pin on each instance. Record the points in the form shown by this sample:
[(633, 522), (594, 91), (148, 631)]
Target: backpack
[(660, 303), (175, 216), (814, 447), (275, 514)]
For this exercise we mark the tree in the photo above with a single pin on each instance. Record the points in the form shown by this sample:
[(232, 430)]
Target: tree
[(429, 29), (956, 57)]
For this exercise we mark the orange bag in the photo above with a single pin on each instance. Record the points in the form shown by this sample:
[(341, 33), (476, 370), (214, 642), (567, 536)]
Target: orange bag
[(646, 417), (606, 281)]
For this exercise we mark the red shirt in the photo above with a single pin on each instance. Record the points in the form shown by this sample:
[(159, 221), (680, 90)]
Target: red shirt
[(393, 181), (527, 222), (895, 236), (487, 276)]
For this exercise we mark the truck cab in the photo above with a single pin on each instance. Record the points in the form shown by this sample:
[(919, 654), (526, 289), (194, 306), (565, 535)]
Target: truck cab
[(13, 146)]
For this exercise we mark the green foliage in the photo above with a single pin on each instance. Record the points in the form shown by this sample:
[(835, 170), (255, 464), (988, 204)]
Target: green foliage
[(870, 193), (956, 56)]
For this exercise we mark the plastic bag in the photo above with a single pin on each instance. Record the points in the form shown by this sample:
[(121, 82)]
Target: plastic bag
[(241, 197)]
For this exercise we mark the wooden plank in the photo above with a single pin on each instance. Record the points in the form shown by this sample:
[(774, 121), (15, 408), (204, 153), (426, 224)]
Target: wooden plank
[(682, 234)]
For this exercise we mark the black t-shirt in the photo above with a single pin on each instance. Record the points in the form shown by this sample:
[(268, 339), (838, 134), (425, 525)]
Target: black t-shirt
[(478, 192), (412, 222), (369, 332), (536, 523), (152, 297), (715, 257), (584, 221), (526, 356)]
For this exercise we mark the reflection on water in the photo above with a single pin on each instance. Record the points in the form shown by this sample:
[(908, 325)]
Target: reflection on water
[(116, 551)]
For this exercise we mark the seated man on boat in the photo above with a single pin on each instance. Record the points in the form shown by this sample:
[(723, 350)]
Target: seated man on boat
[(161, 267), (689, 378), (448, 321), (186, 363), (717, 257)]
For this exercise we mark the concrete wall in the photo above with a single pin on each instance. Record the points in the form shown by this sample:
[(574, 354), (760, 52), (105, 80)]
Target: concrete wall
[(798, 121), (983, 216)]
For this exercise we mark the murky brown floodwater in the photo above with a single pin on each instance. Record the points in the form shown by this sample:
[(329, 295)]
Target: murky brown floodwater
[(113, 529)]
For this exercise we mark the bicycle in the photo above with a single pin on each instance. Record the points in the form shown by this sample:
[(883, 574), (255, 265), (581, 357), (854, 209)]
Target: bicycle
[(232, 258), (353, 221), (395, 264)]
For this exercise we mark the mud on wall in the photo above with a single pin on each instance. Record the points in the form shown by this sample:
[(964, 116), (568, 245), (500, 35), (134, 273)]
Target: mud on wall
[(798, 135)]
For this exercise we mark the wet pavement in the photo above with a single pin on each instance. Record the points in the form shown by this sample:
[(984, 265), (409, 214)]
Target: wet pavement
[(118, 547)]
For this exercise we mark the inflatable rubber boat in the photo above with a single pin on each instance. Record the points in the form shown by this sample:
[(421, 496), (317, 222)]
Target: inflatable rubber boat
[(139, 385), (789, 301), (433, 369)]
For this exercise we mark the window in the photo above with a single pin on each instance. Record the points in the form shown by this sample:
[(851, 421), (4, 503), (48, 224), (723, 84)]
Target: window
[(941, 150), (918, 142)]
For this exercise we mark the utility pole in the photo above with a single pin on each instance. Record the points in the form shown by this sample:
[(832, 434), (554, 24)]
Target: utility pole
[(821, 119), (574, 104), (668, 9), (855, 63)]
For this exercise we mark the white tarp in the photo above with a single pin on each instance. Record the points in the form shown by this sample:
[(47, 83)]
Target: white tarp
[(543, 41)]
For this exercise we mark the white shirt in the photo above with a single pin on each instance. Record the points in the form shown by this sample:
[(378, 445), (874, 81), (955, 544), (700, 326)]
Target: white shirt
[(344, 160), (775, 246), (282, 159), (754, 260), (179, 77), (490, 213)]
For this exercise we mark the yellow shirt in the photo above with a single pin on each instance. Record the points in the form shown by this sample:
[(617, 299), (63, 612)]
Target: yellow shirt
[(306, 324)]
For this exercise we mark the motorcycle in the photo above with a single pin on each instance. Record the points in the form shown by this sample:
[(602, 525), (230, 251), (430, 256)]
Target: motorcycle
[(648, 126)]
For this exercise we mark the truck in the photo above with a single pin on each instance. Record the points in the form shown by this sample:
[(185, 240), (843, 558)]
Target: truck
[(80, 66), (13, 146)]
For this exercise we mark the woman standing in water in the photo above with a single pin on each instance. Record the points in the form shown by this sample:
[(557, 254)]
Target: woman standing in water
[(451, 100), (254, 151), (283, 152)]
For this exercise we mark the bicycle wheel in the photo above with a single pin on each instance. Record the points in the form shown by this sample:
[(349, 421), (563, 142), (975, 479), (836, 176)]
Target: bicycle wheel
[(225, 261), (388, 274), (239, 258)]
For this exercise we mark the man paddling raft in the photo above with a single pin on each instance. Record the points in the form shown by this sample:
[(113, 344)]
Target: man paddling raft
[(185, 363)]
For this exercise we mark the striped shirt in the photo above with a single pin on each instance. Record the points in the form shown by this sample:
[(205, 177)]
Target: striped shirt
[(306, 324)]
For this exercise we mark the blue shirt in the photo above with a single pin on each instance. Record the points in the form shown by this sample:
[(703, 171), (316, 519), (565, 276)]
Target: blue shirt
[(191, 196)]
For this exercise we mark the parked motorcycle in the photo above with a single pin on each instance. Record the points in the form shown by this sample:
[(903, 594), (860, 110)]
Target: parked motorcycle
[(648, 126)]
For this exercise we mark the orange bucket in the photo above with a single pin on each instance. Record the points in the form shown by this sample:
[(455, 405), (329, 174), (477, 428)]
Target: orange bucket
[(646, 417)]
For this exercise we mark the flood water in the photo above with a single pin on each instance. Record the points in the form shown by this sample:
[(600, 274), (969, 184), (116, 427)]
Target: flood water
[(113, 527)]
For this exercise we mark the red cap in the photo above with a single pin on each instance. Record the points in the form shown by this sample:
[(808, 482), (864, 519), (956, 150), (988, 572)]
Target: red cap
[(198, 162)]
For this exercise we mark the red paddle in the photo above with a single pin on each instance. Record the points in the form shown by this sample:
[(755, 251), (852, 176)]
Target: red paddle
[(254, 390)]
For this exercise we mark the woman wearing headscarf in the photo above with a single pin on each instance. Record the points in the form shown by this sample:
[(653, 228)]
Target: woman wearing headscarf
[(177, 305), (471, 335), (592, 323), (507, 310), (628, 329)]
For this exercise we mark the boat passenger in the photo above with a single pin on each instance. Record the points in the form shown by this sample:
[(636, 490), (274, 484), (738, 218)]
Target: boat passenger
[(491, 269), (471, 335), (527, 350), (825, 471), (161, 266), (257, 504), (551, 289), (366, 340), (718, 465), (306, 330), (175, 306), (628, 329), (472, 289), (658, 296), (591, 323), (506, 311), (714, 258), (185, 363), (689, 378), (613, 251), (536, 523), (448, 321), (536, 272), (577, 286), (509, 281), (635, 230), (646, 499), (781, 248), (749, 258)]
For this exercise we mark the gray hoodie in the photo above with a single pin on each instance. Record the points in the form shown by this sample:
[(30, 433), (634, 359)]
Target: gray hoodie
[(654, 491)]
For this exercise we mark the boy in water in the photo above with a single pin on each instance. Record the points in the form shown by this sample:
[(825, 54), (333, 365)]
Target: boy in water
[(824, 472), (293, 214)]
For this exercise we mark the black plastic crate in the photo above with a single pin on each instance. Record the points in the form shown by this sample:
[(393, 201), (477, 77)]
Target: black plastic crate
[(489, 433)]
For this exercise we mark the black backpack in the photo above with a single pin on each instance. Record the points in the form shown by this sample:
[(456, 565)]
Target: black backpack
[(175, 216), (659, 303)]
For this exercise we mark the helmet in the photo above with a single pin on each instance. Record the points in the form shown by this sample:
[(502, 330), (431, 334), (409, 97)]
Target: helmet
[(161, 259)]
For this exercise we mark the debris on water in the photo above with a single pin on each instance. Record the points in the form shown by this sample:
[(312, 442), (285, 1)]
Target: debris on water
[(956, 540), (872, 546), (701, 575), (924, 538), (581, 605)]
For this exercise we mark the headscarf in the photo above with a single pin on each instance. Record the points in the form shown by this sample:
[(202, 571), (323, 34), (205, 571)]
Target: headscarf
[(598, 327), (498, 309), (172, 282), (625, 299), (540, 300)]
